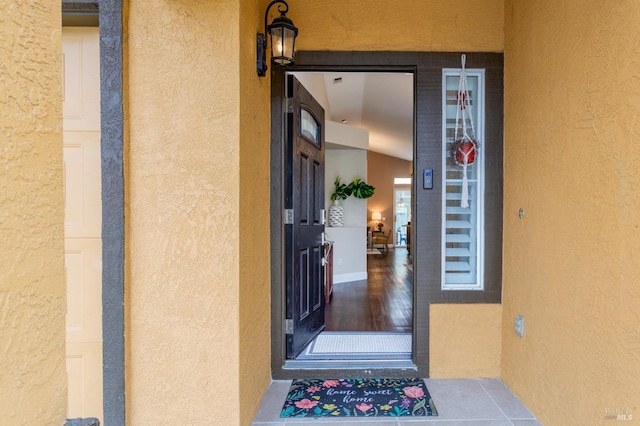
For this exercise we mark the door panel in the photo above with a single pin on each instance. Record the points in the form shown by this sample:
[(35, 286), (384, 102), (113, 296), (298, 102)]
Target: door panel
[(81, 91), (305, 196), (84, 291), (83, 214), (83, 220), (83, 359)]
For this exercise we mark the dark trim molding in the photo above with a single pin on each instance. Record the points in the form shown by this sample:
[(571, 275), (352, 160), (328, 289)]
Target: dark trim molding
[(76, 13), (427, 213), (113, 224)]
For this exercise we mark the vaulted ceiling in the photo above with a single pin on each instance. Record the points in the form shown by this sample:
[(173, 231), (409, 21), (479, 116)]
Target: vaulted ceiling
[(381, 103)]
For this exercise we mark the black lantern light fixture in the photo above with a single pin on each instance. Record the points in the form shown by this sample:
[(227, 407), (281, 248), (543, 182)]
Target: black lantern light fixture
[(283, 39)]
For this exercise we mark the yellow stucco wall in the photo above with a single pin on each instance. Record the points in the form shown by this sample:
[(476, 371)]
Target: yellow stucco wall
[(572, 103), (400, 25), (464, 340), (184, 213), (255, 282), (33, 381)]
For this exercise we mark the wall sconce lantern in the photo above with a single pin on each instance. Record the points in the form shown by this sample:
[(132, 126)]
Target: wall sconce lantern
[(283, 39)]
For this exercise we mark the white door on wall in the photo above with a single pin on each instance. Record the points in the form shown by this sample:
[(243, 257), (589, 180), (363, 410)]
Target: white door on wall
[(83, 220)]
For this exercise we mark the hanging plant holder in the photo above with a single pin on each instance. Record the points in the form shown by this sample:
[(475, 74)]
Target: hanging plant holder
[(464, 148)]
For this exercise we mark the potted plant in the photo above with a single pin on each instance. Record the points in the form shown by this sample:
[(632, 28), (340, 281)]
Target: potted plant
[(336, 211), (358, 188)]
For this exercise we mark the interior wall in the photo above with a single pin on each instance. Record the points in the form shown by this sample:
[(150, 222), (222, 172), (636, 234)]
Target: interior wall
[(570, 264), (186, 88), (350, 240), (32, 271), (348, 164), (382, 169)]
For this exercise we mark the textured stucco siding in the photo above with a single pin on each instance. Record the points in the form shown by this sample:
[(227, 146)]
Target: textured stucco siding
[(465, 340), (401, 25), (572, 102), (33, 380), (254, 244), (183, 219)]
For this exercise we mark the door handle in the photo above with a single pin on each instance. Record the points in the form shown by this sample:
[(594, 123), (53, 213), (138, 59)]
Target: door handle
[(326, 252)]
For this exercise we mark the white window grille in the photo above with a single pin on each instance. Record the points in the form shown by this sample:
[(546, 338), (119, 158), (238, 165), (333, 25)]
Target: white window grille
[(462, 228)]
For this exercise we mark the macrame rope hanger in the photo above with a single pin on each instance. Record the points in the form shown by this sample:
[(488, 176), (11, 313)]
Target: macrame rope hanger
[(464, 147)]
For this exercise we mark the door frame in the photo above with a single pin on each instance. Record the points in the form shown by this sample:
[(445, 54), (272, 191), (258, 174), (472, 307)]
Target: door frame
[(329, 62), (426, 205)]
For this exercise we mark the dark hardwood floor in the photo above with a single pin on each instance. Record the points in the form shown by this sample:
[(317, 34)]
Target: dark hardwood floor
[(383, 302)]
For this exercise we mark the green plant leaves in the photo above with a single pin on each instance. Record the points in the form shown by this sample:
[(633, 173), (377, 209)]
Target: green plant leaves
[(341, 192), (358, 188)]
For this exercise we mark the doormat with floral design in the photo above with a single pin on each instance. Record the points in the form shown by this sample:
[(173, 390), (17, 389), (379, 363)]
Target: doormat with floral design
[(358, 397)]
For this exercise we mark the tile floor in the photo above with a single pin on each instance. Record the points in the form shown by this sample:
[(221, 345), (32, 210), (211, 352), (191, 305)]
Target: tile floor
[(463, 402)]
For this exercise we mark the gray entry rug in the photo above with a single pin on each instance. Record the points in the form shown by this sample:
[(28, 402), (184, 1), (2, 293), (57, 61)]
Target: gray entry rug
[(358, 345)]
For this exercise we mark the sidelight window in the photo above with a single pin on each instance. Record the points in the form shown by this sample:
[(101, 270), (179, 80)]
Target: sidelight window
[(462, 227)]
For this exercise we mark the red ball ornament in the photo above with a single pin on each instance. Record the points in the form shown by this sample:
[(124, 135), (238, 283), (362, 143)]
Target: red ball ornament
[(464, 152)]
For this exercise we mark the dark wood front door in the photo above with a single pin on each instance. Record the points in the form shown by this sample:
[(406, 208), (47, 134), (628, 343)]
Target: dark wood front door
[(305, 217)]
